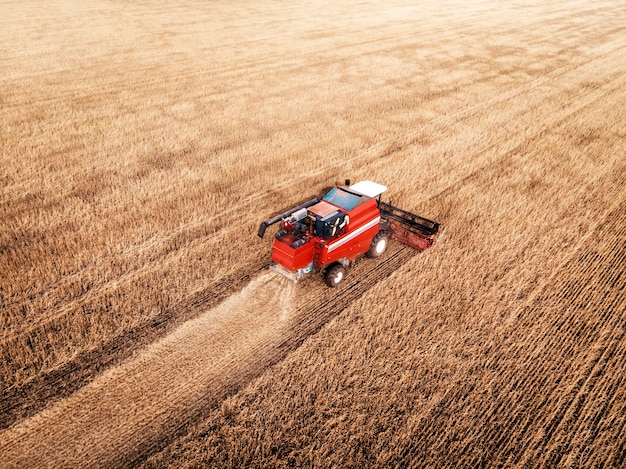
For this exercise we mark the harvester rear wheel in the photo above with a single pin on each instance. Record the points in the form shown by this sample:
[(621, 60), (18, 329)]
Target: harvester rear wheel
[(378, 246), (335, 275)]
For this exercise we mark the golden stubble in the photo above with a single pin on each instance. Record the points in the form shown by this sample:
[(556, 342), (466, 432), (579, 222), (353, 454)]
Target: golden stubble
[(142, 144)]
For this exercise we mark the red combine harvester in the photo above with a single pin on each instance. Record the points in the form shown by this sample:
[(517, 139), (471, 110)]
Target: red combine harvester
[(328, 234)]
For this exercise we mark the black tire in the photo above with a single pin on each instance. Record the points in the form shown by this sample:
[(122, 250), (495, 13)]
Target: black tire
[(335, 275), (378, 246)]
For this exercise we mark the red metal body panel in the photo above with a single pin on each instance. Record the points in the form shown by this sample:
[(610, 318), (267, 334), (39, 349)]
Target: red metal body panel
[(353, 241), (356, 240), (292, 258)]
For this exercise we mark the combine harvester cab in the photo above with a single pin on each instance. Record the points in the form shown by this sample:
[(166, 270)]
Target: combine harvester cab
[(328, 234)]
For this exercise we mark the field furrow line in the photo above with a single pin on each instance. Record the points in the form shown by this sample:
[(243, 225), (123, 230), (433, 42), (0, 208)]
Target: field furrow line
[(521, 380), (503, 162), (568, 413), (504, 438), (602, 398), (271, 62), (570, 338)]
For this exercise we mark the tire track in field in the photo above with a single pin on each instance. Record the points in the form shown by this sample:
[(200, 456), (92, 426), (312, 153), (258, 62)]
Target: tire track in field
[(132, 410), (26, 399), (605, 333), (152, 392), (515, 424), (598, 335)]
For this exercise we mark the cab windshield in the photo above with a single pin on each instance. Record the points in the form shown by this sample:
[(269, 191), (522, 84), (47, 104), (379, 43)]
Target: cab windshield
[(343, 199)]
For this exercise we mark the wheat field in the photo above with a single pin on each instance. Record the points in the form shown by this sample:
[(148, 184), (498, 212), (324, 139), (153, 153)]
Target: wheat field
[(143, 143)]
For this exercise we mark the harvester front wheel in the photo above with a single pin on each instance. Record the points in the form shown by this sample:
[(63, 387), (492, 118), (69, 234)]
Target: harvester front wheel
[(378, 246), (335, 275)]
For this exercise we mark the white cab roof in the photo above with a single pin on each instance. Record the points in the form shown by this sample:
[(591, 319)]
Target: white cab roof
[(368, 188)]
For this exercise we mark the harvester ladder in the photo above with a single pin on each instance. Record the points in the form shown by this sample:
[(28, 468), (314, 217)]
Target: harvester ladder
[(317, 255)]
